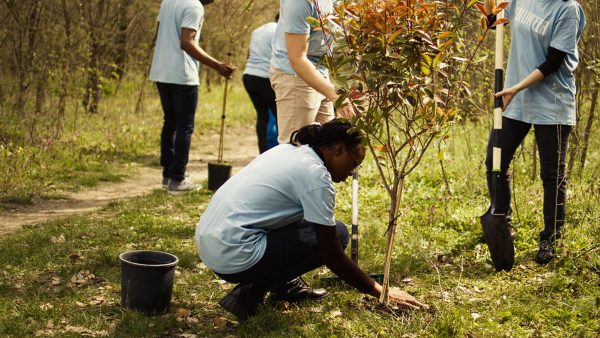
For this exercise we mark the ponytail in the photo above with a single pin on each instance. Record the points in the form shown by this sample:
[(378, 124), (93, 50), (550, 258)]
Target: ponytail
[(333, 132)]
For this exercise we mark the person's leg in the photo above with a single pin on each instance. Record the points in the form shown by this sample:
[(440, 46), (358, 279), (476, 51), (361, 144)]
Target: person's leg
[(510, 137), (185, 100), (291, 251), (255, 88), (297, 103), (167, 135), (552, 143)]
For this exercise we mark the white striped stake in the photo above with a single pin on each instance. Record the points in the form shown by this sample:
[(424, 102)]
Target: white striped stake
[(354, 238)]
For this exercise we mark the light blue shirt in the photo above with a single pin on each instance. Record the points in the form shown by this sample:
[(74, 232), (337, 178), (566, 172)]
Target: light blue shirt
[(170, 63), (536, 25), (292, 19), (260, 50), (282, 186)]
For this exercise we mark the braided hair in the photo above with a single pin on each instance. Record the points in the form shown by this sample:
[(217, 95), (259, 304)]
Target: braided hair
[(333, 132)]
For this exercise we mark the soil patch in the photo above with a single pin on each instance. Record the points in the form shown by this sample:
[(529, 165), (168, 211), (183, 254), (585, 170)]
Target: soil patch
[(240, 148)]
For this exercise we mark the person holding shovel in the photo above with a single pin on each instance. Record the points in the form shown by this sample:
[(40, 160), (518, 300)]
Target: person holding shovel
[(274, 221), (540, 92), (175, 66), (303, 91)]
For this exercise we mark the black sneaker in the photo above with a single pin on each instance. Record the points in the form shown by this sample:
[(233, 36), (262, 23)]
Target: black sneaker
[(243, 300), (545, 252), (295, 291)]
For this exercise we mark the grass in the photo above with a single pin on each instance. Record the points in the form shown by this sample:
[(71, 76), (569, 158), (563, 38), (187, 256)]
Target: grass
[(101, 147), (437, 257)]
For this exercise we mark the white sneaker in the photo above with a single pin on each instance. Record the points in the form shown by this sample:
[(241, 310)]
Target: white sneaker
[(176, 187)]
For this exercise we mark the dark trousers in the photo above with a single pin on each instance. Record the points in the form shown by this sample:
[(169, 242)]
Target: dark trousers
[(179, 107), (552, 142), (292, 251), (263, 98)]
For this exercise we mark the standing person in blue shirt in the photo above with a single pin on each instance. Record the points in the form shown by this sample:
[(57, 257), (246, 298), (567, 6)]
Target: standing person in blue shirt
[(256, 79), (540, 92), (303, 91), (273, 221), (175, 68)]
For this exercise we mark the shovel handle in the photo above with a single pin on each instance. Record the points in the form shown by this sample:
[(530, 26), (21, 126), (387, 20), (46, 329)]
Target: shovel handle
[(354, 238), (221, 134)]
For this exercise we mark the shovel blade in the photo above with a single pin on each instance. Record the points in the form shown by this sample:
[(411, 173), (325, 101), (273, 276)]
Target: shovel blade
[(499, 240)]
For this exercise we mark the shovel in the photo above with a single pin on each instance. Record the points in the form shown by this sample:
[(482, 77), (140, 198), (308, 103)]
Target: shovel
[(354, 234), (495, 224)]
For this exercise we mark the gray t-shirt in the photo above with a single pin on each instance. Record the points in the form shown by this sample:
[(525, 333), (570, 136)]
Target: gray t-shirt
[(283, 185), (260, 50), (536, 25), (170, 63), (293, 14)]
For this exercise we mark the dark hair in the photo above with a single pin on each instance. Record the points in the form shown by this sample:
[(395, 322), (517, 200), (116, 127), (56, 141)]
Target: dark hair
[(277, 17), (333, 132)]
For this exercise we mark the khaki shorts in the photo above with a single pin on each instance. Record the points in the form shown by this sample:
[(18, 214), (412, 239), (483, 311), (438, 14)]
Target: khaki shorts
[(298, 104)]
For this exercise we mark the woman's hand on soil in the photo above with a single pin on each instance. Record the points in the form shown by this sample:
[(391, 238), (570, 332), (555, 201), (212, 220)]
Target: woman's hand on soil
[(405, 300)]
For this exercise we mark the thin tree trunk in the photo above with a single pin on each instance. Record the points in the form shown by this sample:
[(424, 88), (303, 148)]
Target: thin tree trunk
[(396, 199), (588, 129), (66, 71)]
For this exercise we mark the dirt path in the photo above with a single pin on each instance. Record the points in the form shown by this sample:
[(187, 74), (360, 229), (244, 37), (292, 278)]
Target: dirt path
[(240, 149)]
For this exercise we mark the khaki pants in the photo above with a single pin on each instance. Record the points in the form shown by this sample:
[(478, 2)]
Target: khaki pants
[(298, 104)]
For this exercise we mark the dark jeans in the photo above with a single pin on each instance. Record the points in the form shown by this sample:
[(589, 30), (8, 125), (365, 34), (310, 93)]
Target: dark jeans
[(552, 142), (292, 251), (263, 98), (179, 107)]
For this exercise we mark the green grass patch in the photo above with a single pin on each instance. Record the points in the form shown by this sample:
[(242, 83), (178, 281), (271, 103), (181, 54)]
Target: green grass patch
[(437, 257)]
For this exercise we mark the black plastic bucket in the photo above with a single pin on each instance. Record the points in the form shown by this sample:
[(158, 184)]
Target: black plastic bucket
[(218, 174), (147, 280)]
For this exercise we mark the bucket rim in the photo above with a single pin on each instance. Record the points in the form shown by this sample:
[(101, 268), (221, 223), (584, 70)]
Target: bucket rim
[(174, 263)]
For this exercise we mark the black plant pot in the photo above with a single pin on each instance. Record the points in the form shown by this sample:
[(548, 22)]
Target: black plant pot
[(147, 280), (218, 174)]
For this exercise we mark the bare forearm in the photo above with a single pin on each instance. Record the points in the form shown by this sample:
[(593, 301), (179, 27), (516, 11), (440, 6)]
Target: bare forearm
[(307, 72), (199, 54), (529, 80)]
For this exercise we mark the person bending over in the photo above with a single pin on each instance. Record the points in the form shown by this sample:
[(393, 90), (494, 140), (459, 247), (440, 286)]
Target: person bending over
[(274, 221)]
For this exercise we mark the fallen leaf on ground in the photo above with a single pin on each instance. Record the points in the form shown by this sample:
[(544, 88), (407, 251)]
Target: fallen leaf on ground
[(57, 239), (335, 313)]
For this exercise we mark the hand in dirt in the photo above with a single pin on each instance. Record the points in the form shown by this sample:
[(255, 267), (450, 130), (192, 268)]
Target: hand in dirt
[(405, 300), (226, 70)]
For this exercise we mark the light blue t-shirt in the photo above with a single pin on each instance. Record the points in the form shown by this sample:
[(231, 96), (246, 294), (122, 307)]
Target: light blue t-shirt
[(170, 63), (536, 25), (259, 58), (283, 185), (292, 19)]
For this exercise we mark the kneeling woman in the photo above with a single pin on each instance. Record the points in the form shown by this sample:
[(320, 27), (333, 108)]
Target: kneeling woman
[(273, 221)]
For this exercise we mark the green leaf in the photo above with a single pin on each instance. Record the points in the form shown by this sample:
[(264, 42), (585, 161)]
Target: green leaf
[(313, 22)]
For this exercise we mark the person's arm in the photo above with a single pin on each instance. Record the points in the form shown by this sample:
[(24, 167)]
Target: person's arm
[(191, 47), (551, 65), (297, 48), (340, 264)]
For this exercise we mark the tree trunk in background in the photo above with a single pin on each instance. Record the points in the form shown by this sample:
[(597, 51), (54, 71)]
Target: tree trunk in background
[(121, 38), (95, 16), (92, 89), (588, 129), (65, 57)]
